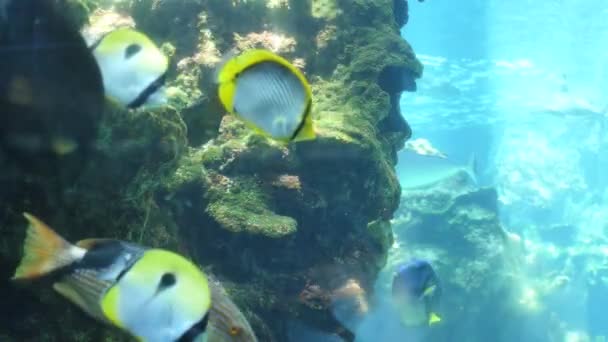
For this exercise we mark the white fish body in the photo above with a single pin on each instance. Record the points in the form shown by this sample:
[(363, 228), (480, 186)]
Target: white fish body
[(133, 68), (269, 95)]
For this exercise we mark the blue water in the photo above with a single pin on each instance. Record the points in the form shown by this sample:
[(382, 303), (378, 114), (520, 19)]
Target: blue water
[(523, 85)]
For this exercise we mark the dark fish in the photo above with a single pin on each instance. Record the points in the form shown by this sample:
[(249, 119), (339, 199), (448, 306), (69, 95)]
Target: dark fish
[(416, 293), (51, 90)]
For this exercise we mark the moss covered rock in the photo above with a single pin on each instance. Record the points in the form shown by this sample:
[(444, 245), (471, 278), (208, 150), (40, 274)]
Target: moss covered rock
[(267, 219), (481, 266)]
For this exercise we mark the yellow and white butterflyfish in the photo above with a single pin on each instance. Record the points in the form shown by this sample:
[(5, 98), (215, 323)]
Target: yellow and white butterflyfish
[(268, 93), (153, 294), (133, 68)]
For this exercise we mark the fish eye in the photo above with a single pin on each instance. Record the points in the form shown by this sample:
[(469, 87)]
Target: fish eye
[(167, 280), (131, 50)]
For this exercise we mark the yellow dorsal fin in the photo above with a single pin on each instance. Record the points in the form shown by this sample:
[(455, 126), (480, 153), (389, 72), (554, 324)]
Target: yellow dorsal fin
[(255, 56), (116, 40), (238, 63), (235, 65), (115, 43)]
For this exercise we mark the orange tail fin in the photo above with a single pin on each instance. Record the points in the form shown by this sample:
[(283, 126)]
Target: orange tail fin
[(44, 251)]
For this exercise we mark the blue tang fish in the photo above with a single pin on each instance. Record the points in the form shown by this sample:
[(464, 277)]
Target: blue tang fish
[(416, 293)]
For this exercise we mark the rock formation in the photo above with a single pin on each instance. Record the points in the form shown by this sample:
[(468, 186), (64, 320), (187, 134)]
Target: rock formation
[(267, 220)]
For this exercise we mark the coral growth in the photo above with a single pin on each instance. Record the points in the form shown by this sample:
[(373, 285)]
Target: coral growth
[(325, 9), (277, 4), (288, 182), (274, 42), (102, 21), (489, 272), (267, 219), (459, 232)]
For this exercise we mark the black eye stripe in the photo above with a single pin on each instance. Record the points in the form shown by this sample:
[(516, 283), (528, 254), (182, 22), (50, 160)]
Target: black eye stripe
[(132, 50)]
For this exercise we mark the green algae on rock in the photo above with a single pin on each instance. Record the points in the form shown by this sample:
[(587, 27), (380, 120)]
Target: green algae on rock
[(244, 209), (268, 220), (341, 184), (479, 262), (111, 198)]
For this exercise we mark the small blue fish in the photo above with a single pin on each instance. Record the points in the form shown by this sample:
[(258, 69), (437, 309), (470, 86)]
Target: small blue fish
[(416, 293)]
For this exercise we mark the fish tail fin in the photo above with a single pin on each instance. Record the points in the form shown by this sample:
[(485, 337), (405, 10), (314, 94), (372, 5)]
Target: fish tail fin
[(434, 318), (44, 251), (471, 168)]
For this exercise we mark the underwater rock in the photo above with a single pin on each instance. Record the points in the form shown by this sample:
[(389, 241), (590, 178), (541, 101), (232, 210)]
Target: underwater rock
[(460, 234), (104, 21), (401, 9), (481, 266), (267, 219), (257, 211), (111, 198), (465, 224)]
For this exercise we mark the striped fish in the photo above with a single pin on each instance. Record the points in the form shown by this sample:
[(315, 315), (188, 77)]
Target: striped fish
[(226, 322), (268, 93), (154, 295)]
